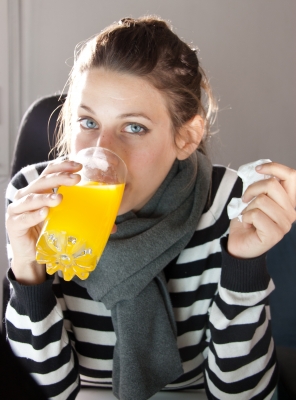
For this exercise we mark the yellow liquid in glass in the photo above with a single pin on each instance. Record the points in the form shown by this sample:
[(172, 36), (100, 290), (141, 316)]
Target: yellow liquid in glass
[(75, 232)]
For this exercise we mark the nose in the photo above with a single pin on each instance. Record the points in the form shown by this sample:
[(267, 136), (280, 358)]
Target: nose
[(106, 140), (109, 140)]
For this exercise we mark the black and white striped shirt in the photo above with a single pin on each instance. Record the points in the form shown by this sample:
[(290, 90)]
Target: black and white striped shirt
[(220, 303)]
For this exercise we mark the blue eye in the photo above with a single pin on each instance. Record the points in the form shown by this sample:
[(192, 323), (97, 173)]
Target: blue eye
[(135, 128), (88, 123)]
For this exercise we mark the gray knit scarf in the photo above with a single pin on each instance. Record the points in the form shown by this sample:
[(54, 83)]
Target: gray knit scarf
[(129, 280)]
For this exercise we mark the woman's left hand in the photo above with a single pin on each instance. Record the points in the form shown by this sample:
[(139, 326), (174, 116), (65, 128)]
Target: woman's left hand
[(269, 216)]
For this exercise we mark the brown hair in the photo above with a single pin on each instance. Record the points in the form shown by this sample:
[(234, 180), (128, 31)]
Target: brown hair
[(147, 48)]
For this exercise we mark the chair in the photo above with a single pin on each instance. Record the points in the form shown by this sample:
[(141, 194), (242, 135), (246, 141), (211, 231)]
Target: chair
[(36, 134), (281, 264), (35, 139), (33, 144)]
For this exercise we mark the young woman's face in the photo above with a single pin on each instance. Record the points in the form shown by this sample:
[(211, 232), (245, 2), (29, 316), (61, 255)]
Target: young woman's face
[(125, 114)]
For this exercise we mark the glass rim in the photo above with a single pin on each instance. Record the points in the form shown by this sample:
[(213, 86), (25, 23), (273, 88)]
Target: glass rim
[(93, 149)]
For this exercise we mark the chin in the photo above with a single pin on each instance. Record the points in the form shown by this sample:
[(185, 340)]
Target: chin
[(126, 203), (122, 211), (129, 204), (124, 206)]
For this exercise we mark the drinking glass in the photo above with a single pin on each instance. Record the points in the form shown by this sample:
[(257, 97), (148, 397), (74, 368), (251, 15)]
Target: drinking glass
[(75, 232)]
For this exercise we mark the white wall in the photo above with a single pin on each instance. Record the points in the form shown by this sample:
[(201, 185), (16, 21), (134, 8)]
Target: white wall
[(247, 48)]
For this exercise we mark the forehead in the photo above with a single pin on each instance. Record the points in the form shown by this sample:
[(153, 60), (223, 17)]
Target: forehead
[(98, 85)]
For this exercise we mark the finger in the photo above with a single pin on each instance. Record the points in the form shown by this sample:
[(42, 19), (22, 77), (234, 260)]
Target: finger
[(57, 173), (281, 217), (275, 169), (114, 229), (33, 202), (286, 176), (61, 166), (271, 188), (267, 231), (20, 223), (45, 183)]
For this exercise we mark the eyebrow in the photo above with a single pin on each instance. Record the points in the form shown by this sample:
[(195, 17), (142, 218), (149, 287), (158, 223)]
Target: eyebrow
[(134, 115), (126, 115), (86, 108)]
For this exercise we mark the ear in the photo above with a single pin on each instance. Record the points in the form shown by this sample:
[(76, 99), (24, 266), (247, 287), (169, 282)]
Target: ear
[(189, 137)]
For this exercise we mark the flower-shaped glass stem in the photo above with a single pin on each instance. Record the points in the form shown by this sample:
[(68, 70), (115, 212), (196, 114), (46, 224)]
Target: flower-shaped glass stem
[(61, 251)]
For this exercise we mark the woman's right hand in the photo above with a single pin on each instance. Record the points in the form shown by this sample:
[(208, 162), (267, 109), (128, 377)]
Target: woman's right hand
[(26, 215)]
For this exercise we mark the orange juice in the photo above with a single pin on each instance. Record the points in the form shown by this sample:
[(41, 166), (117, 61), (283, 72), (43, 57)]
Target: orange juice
[(75, 232)]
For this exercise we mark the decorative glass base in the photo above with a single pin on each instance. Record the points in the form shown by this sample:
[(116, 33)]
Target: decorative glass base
[(60, 251)]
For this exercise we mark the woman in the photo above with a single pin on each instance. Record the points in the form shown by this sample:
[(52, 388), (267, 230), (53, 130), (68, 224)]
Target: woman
[(179, 297)]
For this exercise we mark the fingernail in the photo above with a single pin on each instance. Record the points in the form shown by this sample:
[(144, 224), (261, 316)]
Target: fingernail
[(74, 164), (258, 167), (53, 196), (72, 176)]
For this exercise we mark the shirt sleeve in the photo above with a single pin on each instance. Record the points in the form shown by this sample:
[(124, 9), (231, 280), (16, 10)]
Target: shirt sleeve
[(38, 336), (36, 329), (241, 361)]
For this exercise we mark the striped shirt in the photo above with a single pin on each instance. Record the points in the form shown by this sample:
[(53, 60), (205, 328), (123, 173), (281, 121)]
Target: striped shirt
[(66, 339)]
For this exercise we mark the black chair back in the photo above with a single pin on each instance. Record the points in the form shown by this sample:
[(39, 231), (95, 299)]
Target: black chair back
[(34, 143), (36, 133)]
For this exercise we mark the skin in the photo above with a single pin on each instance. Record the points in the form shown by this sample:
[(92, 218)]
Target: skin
[(111, 103), (128, 116), (269, 216)]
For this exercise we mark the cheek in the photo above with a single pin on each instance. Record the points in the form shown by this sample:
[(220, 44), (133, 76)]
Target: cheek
[(74, 139), (79, 141), (75, 148), (148, 169), (74, 145)]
